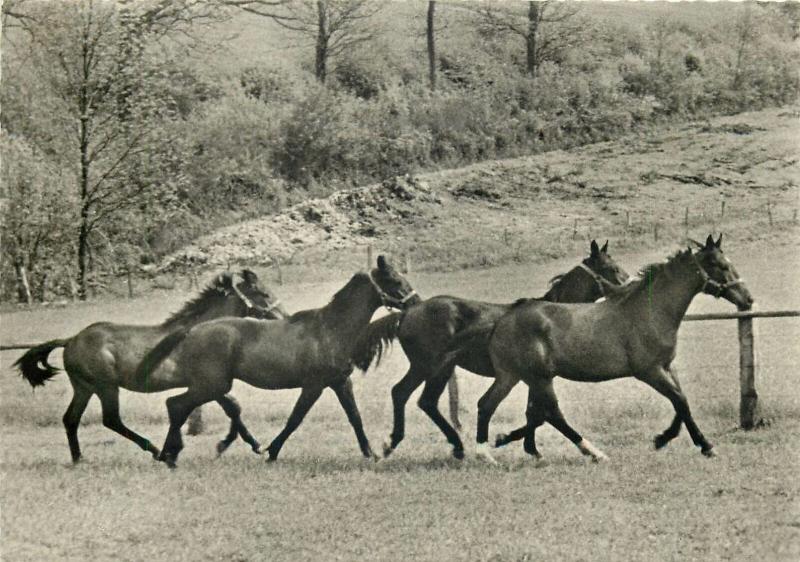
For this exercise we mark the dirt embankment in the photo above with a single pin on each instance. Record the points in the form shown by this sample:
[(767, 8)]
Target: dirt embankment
[(739, 174)]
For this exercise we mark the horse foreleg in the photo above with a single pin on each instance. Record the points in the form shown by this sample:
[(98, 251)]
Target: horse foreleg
[(109, 399), (665, 383), (400, 395), (308, 397), (488, 403), (344, 392), (429, 403), (234, 411), (81, 394)]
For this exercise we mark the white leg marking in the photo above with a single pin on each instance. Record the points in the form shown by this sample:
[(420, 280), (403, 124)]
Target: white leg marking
[(587, 448), (483, 452)]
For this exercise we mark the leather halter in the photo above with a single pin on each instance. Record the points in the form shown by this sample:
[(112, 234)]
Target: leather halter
[(388, 300), (710, 286), (249, 304)]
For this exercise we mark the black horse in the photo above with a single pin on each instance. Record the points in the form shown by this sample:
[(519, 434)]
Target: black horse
[(102, 358), (427, 331), (311, 350)]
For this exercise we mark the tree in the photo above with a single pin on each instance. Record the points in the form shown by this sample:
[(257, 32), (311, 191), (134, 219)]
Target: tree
[(107, 105), (334, 25), (34, 221), (547, 28), (431, 41)]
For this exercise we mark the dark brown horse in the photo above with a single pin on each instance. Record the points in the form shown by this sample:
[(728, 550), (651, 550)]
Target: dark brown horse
[(427, 331), (632, 333), (311, 350), (102, 358)]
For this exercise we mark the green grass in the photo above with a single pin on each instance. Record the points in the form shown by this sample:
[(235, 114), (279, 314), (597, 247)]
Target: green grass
[(321, 501)]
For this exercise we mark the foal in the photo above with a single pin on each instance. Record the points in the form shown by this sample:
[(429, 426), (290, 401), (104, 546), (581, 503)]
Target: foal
[(311, 350), (632, 333)]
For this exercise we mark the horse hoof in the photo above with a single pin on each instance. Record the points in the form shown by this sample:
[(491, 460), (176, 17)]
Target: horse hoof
[(659, 442), (221, 448), (709, 453), (260, 450), (458, 453), (601, 458), (387, 449), (256, 449), (482, 452)]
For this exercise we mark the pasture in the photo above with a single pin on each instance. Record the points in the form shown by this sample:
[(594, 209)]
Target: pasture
[(321, 501)]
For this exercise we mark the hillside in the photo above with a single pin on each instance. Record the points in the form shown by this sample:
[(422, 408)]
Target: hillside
[(736, 174)]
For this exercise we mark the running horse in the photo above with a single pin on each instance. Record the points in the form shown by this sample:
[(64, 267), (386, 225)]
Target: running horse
[(633, 333), (427, 331), (311, 350), (102, 358)]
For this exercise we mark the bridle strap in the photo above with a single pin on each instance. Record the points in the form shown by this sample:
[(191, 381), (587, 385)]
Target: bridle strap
[(594, 275), (388, 300), (710, 286)]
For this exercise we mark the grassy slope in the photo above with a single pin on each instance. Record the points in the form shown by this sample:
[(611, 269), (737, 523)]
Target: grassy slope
[(534, 204)]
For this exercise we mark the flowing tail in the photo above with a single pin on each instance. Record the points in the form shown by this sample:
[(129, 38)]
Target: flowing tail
[(155, 356), (375, 339), (33, 366)]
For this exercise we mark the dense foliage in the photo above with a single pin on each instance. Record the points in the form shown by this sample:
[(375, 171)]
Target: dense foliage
[(191, 148)]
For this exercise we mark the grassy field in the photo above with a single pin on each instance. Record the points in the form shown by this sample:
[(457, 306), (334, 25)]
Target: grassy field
[(322, 501)]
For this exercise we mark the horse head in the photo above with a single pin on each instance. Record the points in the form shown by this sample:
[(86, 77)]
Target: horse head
[(259, 300), (393, 288), (720, 275)]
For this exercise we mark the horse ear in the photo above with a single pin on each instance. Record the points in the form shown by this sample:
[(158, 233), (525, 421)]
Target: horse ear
[(224, 280), (249, 277), (710, 241), (594, 249), (718, 243), (604, 249), (383, 263)]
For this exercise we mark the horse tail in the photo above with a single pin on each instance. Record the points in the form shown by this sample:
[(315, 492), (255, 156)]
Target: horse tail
[(375, 339), (156, 356), (33, 366)]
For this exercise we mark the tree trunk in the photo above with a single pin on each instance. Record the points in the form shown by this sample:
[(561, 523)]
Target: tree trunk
[(530, 38), (23, 287), (322, 41), (431, 46)]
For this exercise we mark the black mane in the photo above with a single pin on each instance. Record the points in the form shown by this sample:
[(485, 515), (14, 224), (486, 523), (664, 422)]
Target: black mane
[(197, 306)]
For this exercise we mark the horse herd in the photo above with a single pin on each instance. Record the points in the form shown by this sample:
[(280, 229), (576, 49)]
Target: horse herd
[(593, 324)]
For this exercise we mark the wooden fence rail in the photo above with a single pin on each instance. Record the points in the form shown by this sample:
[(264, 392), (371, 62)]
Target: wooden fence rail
[(748, 401)]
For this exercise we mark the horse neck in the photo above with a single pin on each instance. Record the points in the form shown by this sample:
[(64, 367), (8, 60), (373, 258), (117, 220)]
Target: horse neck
[(351, 308), (215, 307), (671, 289), (576, 285)]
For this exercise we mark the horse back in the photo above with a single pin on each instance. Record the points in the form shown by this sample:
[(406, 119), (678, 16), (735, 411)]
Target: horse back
[(108, 353)]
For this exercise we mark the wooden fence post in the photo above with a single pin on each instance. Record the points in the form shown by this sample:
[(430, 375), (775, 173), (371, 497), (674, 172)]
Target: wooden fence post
[(196, 425), (686, 221), (279, 271), (369, 257), (722, 210), (748, 406), (129, 275), (655, 231), (769, 211), (575, 229)]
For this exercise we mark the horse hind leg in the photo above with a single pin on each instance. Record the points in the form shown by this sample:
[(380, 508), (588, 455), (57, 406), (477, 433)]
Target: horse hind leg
[(81, 394), (429, 403), (233, 410), (178, 409), (109, 399), (503, 383)]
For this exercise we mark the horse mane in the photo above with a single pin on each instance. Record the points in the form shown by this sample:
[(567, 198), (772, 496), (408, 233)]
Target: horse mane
[(556, 279), (644, 275), (197, 306)]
